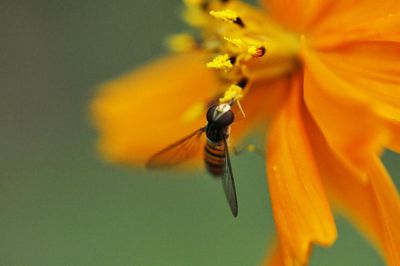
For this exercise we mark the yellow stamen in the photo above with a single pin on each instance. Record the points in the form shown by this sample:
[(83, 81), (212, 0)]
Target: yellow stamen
[(226, 15), (239, 43), (181, 42), (221, 62), (247, 45), (234, 92), (256, 51)]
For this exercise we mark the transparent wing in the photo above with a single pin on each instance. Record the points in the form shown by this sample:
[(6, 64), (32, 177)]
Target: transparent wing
[(229, 183), (177, 152)]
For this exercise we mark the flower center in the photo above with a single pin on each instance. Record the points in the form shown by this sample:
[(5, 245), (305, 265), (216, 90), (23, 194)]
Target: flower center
[(245, 45)]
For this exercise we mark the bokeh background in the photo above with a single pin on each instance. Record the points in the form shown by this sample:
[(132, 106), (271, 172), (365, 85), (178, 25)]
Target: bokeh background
[(60, 204)]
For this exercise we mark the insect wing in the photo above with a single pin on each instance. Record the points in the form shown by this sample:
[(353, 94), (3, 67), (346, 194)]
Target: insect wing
[(229, 183), (177, 152)]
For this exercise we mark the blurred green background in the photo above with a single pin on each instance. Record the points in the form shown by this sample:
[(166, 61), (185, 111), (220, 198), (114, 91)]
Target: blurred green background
[(61, 205)]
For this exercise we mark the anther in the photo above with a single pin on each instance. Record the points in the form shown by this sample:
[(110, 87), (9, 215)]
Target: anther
[(256, 51), (232, 94), (239, 22), (204, 5), (232, 59), (222, 62), (242, 83), (228, 16)]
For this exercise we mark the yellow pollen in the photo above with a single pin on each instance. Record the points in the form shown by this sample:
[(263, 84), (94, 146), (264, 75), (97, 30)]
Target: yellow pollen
[(259, 49), (181, 42), (226, 15), (234, 92), (194, 112), (256, 51), (235, 41), (247, 46), (221, 62)]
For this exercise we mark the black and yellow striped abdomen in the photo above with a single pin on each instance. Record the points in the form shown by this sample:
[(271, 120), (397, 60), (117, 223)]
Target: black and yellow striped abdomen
[(214, 157)]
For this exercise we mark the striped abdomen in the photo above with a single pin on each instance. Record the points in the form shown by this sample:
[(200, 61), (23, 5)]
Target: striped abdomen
[(214, 157)]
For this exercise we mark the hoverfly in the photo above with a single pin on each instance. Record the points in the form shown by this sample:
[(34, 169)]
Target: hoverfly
[(216, 153)]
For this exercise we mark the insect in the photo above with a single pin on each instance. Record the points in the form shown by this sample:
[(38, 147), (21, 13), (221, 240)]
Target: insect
[(216, 152)]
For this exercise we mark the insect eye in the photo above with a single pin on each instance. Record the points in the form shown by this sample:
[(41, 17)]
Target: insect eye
[(210, 113), (226, 119)]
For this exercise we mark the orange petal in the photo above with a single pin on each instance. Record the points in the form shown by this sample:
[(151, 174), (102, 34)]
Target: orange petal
[(278, 257), (373, 71), (260, 104), (372, 68), (143, 112), (297, 15), (356, 86), (346, 117), (301, 210), (340, 179), (358, 20), (366, 203), (388, 208), (331, 22)]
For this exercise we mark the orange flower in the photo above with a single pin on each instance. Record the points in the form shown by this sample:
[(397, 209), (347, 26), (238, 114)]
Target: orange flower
[(324, 79)]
